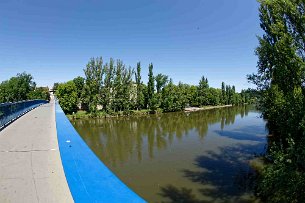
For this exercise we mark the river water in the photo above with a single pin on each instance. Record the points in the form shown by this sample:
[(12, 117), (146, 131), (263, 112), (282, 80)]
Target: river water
[(181, 157)]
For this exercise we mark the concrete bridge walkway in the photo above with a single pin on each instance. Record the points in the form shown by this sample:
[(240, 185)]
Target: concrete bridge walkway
[(30, 163)]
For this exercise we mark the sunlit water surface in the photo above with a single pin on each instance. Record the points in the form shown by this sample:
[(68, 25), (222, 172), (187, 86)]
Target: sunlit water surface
[(188, 157)]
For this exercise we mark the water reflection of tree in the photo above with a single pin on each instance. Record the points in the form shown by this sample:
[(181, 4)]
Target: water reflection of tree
[(182, 195), (227, 173), (116, 140)]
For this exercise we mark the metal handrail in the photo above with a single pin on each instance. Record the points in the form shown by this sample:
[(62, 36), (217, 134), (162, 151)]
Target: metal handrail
[(11, 111)]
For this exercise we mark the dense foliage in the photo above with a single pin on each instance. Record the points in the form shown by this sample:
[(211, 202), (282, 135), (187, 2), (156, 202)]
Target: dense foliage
[(139, 85), (67, 92), (111, 87), (280, 77), (21, 87), (92, 88), (39, 93)]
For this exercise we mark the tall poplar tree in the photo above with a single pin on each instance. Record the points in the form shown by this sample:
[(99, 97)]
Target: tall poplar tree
[(203, 91), (93, 83), (108, 85), (150, 86), (223, 93), (140, 95), (280, 77)]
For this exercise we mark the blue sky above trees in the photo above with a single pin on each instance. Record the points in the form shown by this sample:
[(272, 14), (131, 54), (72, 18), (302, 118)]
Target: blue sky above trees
[(53, 40)]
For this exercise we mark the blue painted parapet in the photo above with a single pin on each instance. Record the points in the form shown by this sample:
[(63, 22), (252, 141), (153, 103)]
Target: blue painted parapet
[(11, 111), (88, 178)]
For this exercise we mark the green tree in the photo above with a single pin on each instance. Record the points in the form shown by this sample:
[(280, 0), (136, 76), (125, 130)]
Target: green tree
[(161, 81), (189, 94), (223, 93), (122, 87), (251, 96), (140, 95), (127, 93), (233, 97), (192, 96), (173, 98), (243, 96), (203, 91), (39, 93), (151, 88), (213, 96), (79, 84), (17, 88), (280, 79), (91, 94), (107, 91), (281, 64), (145, 94), (228, 94), (55, 85), (67, 95), (110, 88), (118, 87)]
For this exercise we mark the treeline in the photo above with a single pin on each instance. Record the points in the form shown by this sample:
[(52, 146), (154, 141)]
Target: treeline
[(22, 87), (280, 77), (113, 87)]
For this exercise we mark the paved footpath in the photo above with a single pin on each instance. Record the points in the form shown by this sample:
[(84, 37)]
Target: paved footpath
[(30, 163)]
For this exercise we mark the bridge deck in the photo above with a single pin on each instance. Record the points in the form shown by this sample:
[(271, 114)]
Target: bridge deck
[(30, 163)]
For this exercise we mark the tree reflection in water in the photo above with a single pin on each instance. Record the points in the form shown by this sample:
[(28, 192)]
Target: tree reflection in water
[(118, 140), (227, 172)]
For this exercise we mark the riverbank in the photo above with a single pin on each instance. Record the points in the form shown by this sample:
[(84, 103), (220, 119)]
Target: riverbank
[(102, 114), (193, 109)]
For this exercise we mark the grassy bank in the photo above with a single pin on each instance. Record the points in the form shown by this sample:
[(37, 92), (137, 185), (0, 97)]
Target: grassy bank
[(102, 114)]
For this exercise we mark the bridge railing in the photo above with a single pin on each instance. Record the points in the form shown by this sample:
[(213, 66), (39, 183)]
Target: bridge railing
[(88, 178), (11, 111)]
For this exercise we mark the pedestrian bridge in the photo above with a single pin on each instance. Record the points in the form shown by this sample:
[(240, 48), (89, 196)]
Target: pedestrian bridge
[(43, 159)]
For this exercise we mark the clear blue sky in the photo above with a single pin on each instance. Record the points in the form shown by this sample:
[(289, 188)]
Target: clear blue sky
[(53, 40)]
